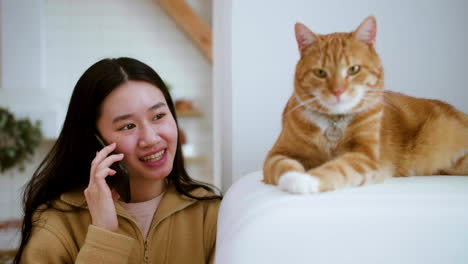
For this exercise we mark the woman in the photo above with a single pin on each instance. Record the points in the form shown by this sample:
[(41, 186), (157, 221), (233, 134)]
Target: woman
[(159, 215)]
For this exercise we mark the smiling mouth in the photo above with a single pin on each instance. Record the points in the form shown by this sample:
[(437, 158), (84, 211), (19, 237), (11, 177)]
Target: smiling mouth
[(154, 157)]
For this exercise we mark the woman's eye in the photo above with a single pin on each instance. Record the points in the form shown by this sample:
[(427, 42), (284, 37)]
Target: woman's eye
[(127, 127), (320, 73), (354, 69), (158, 116)]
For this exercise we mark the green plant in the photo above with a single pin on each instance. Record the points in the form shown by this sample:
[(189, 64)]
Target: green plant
[(18, 140)]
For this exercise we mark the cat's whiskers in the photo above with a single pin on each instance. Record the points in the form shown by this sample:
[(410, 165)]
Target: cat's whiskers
[(301, 103)]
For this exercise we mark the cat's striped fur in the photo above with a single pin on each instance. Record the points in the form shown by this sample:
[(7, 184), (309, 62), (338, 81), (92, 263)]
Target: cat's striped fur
[(339, 87)]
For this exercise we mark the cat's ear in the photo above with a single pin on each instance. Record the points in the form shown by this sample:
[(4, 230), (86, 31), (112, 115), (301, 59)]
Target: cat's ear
[(367, 31), (304, 36)]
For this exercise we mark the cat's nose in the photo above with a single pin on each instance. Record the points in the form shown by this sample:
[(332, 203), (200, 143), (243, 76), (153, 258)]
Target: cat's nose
[(337, 92)]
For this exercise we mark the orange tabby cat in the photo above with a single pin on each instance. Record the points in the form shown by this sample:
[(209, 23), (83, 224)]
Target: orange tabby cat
[(340, 128)]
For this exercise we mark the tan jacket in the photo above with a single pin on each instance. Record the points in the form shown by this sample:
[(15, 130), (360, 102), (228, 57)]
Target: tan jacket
[(183, 230)]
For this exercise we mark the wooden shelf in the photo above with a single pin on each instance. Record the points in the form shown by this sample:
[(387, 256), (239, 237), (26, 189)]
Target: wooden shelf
[(191, 23), (10, 224), (190, 113)]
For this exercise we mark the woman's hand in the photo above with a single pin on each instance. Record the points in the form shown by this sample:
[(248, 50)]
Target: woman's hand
[(99, 196)]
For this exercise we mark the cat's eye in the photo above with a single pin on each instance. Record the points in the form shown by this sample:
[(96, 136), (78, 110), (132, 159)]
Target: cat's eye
[(320, 73), (354, 69)]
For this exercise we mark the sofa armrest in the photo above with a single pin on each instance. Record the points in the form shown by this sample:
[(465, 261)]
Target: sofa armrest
[(421, 219)]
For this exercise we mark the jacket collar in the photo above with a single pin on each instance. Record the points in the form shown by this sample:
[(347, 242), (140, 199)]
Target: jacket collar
[(171, 202), (174, 201)]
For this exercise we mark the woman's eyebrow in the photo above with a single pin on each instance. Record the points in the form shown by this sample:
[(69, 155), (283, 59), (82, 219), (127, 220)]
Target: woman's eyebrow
[(121, 118), (156, 106), (126, 116)]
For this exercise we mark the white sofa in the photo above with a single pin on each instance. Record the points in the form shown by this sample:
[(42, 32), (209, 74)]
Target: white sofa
[(421, 219)]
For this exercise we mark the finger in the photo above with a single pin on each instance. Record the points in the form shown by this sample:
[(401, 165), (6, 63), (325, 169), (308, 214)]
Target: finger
[(107, 162), (103, 153), (93, 168), (102, 174), (100, 155)]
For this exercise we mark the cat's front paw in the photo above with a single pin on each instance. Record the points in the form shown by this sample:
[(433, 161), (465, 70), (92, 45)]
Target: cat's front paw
[(297, 182)]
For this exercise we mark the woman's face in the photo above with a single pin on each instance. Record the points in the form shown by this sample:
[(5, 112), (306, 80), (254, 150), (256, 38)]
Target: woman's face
[(136, 117)]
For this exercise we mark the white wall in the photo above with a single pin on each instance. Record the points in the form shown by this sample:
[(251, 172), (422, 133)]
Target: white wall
[(12, 182), (222, 93), (422, 45), (81, 32)]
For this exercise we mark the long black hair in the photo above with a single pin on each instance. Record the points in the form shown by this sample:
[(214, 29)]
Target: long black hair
[(67, 165)]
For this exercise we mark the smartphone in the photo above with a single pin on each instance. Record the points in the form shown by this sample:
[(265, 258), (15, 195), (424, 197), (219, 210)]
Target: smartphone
[(119, 181)]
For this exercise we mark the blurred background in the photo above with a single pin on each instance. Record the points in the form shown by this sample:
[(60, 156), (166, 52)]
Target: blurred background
[(231, 97)]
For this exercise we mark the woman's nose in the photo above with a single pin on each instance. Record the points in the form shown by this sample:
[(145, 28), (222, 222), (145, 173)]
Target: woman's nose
[(148, 136)]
